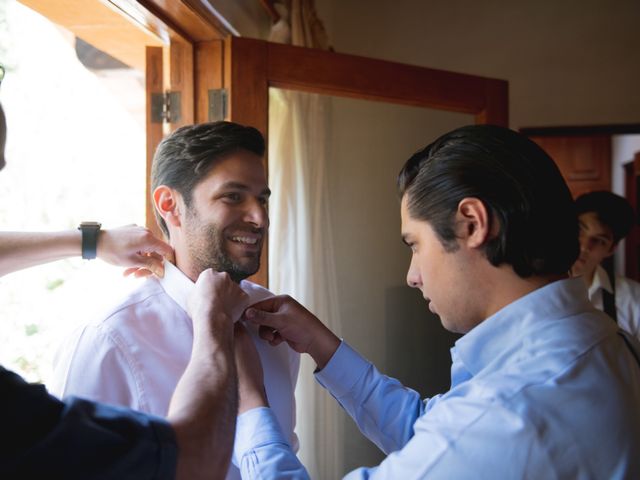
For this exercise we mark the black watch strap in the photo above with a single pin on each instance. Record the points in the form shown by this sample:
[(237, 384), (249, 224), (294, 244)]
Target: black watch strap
[(89, 239)]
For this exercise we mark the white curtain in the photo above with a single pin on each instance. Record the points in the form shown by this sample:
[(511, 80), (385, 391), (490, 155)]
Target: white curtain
[(301, 256)]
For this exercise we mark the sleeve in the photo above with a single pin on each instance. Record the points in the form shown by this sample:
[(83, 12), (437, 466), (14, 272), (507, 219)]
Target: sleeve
[(79, 439), (384, 410), (95, 364), (260, 449)]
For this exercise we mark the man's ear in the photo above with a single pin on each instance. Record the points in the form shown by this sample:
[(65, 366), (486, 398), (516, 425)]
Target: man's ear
[(167, 203), (472, 222)]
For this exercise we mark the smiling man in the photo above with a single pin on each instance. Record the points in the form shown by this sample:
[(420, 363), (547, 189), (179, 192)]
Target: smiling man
[(210, 194)]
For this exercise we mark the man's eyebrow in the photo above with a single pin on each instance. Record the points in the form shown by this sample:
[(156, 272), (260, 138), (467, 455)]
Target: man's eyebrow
[(234, 186), (241, 186)]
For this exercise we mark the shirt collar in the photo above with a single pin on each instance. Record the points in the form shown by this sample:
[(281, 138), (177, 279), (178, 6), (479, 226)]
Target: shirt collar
[(179, 287), (503, 334), (600, 281)]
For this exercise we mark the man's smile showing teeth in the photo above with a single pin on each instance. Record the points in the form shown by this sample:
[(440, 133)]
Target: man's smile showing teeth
[(245, 240)]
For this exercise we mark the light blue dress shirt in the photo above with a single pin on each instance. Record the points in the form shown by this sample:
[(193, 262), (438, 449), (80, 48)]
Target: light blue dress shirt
[(546, 388)]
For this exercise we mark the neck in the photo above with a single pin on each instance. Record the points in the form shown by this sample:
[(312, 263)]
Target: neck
[(587, 276), (183, 259), (506, 287)]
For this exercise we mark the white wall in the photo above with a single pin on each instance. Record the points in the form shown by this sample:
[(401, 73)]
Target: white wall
[(384, 319), (623, 150)]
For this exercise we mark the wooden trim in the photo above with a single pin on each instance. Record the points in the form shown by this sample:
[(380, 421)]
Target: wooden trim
[(181, 79), (196, 20), (209, 75), (154, 85), (245, 78), (331, 73), (496, 103), (613, 129), (102, 26)]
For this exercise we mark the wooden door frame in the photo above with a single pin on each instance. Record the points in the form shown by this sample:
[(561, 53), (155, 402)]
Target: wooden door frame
[(252, 66)]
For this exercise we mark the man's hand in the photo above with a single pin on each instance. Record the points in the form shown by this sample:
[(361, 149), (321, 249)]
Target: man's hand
[(250, 374), (215, 297), (135, 248), (204, 405), (281, 318)]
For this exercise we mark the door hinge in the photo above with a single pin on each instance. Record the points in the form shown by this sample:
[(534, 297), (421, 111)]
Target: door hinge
[(166, 107), (217, 104)]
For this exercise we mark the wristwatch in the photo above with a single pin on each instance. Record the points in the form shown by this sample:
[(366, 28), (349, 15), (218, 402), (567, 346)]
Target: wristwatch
[(89, 239)]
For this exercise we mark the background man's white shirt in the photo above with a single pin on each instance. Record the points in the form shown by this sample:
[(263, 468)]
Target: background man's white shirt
[(136, 355), (627, 299)]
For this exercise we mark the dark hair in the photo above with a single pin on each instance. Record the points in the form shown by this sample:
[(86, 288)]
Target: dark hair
[(518, 183), (611, 209), (186, 156)]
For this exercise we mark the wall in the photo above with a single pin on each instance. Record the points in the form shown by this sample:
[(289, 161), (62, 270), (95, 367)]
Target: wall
[(382, 318), (572, 62), (623, 150)]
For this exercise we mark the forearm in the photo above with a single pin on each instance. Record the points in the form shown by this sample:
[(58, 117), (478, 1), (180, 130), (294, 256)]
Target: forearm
[(204, 407), (19, 250), (382, 407)]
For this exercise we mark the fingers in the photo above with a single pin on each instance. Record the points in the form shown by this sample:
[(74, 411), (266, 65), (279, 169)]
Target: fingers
[(155, 263), (161, 247), (262, 318), (129, 271), (147, 264), (270, 335), (271, 304), (137, 272)]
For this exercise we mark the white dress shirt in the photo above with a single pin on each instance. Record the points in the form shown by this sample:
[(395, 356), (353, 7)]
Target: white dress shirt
[(136, 355), (546, 388), (627, 299)]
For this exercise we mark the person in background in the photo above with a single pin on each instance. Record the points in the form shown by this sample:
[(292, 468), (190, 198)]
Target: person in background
[(44, 437), (543, 385), (606, 218)]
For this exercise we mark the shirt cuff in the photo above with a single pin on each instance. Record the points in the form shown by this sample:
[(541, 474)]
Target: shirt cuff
[(256, 428), (343, 370)]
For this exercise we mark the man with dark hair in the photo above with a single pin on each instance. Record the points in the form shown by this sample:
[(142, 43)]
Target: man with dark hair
[(210, 195), (542, 386), (43, 437), (606, 218)]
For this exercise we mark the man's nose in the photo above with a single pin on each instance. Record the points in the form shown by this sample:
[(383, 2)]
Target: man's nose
[(257, 214), (414, 279)]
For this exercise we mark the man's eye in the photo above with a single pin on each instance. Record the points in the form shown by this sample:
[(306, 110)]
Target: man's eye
[(263, 200), (233, 197)]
